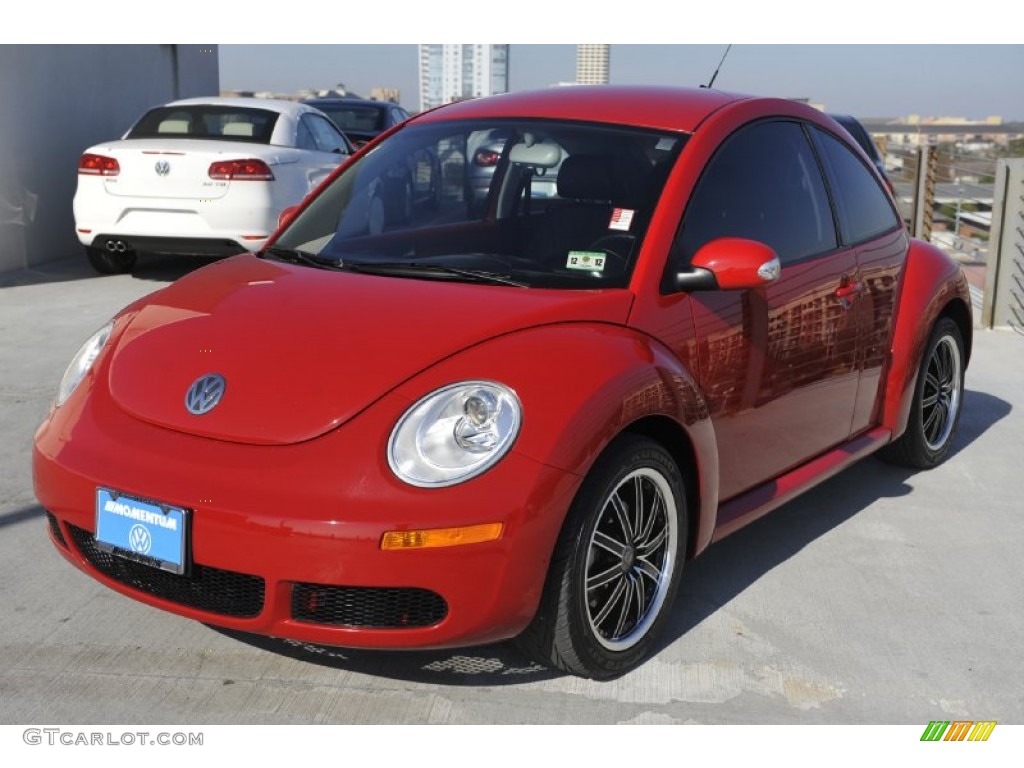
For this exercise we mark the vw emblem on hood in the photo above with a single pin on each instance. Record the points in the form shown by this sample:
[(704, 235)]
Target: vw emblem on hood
[(162, 167), (204, 394)]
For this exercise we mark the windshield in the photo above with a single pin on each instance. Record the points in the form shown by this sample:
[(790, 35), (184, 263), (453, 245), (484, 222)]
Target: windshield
[(539, 203)]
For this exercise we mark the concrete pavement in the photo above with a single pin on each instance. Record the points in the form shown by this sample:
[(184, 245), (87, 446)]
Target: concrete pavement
[(883, 596)]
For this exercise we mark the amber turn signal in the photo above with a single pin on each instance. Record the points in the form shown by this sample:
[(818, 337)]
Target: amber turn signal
[(441, 537)]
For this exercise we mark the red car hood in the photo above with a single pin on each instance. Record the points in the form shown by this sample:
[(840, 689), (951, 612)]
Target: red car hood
[(303, 350)]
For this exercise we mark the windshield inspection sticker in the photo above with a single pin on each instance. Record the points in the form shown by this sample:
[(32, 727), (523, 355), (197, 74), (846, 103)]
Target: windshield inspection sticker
[(591, 261), (621, 219)]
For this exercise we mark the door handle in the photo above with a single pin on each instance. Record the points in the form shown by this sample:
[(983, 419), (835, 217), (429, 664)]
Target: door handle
[(848, 290)]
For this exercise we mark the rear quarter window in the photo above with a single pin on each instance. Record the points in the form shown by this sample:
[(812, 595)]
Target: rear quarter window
[(864, 208)]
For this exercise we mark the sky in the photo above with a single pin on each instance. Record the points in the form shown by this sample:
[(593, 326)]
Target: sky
[(872, 58), (866, 80)]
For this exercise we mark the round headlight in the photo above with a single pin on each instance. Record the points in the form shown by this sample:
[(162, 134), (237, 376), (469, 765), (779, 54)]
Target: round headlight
[(454, 434), (82, 362)]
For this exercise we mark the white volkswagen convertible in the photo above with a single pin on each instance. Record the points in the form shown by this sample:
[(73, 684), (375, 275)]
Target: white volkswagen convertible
[(205, 177)]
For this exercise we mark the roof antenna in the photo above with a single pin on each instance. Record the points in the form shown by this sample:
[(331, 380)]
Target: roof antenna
[(712, 80)]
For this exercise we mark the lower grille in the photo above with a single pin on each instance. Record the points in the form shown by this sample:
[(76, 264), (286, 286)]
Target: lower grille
[(55, 529), (367, 607), (206, 589)]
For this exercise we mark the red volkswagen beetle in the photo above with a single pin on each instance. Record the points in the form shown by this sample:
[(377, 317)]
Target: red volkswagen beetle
[(426, 422)]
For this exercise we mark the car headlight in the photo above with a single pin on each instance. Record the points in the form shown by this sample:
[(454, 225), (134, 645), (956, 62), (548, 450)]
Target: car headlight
[(82, 362), (454, 433)]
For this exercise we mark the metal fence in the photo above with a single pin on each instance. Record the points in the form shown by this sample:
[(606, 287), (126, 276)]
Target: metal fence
[(972, 207), (944, 197), (1004, 277)]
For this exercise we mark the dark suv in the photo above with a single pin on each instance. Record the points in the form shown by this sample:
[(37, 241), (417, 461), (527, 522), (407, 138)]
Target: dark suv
[(360, 119)]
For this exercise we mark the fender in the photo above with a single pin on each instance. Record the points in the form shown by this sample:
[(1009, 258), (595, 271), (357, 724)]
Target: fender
[(608, 379), (932, 284)]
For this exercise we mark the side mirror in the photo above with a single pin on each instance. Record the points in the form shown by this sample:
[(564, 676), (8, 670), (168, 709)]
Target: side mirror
[(287, 215), (729, 264)]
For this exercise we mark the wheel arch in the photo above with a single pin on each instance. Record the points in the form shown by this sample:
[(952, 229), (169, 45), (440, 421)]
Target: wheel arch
[(673, 438), (932, 286), (633, 384), (960, 313)]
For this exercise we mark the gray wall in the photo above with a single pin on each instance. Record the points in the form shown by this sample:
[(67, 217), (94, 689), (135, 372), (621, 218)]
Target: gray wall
[(57, 100)]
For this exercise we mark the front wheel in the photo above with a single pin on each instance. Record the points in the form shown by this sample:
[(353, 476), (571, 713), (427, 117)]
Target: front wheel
[(938, 398), (616, 566)]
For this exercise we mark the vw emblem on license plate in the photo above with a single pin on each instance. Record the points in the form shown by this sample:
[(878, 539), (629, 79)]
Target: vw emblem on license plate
[(139, 539), (162, 167), (204, 394)]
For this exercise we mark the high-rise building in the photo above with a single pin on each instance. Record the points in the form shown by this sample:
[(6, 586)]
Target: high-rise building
[(592, 64), (455, 72)]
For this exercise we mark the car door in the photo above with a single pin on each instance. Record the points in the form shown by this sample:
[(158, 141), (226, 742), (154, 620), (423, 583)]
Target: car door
[(869, 223), (777, 364)]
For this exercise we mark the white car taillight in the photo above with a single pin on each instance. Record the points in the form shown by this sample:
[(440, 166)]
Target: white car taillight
[(241, 170), (98, 165)]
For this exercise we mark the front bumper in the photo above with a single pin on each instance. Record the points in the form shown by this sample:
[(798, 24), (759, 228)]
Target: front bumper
[(285, 539)]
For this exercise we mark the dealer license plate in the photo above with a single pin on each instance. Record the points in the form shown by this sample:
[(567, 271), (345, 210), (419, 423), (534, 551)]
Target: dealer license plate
[(147, 532)]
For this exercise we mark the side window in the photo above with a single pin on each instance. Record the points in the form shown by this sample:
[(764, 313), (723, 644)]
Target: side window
[(762, 184), (864, 208), (326, 136), (304, 139)]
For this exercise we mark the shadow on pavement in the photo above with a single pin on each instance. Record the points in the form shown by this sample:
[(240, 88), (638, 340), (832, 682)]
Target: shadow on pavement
[(167, 269), (486, 665), (729, 566), (21, 515), (161, 268)]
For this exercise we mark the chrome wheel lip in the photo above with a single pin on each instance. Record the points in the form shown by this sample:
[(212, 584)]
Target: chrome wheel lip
[(635, 563), (941, 393)]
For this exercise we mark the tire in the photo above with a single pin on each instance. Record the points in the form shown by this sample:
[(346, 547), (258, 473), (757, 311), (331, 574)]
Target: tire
[(938, 400), (631, 562), (111, 262)]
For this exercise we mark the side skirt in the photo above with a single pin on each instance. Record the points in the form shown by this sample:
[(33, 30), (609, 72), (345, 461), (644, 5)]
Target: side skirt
[(748, 507)]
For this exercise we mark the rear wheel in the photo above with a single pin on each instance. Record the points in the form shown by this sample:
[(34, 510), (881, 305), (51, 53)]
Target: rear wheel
[(110, 262), (938, 397), (616, 566)]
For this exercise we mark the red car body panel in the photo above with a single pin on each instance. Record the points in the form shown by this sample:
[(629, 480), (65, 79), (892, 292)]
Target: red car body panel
[(650, 107), (292, 484), (228, 319), (931, 284)]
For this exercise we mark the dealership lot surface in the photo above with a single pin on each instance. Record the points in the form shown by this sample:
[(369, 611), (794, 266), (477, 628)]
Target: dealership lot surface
[(882, 596)]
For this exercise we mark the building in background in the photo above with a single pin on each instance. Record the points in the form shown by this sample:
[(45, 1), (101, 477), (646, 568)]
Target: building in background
[(592, 64), (917, 131), (455, 72), (386, 94)]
